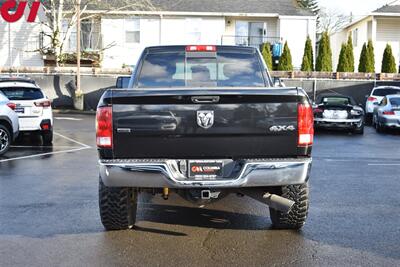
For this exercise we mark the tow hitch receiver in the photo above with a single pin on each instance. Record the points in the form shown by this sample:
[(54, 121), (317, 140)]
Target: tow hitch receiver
[(208, 194)]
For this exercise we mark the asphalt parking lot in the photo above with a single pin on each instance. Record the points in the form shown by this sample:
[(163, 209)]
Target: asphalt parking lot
[(49, 212)]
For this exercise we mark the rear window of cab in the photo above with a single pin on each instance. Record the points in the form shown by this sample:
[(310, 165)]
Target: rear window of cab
[(226, 69), (22, 93)]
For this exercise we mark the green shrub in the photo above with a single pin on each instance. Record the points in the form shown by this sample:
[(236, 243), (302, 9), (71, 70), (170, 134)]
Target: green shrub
[(350, 55), (285, 62), (370, 63), (362, 65), (308, 57), (324, 59), (267, 54), (388, 61), (343, 65)]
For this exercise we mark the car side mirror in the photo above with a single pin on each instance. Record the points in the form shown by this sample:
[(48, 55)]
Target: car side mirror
[(277, 82)]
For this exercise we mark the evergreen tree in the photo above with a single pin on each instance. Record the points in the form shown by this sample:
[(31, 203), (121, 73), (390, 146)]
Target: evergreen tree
[(311, 5), (388, 61), (285, 62), (370, 63), (308, 58), (350, 55), (362, 65), (267, 55), (343, 65), (324, 59)]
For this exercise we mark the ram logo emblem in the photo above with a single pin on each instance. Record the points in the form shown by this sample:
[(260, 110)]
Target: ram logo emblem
[(282, 128), (205, 118)]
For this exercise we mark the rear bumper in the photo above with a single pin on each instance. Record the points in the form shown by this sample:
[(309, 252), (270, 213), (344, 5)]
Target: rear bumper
[(336, 123), (31, 124), (390, 122), (164, 173)]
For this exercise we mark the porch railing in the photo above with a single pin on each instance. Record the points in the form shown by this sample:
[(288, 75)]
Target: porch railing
[(90, 42), (254, 41)]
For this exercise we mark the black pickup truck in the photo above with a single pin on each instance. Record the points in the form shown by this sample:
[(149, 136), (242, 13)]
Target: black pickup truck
[(204, 122)]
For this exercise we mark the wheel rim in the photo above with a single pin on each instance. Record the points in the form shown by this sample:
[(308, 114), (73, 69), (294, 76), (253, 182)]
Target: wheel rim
[(3, 140)]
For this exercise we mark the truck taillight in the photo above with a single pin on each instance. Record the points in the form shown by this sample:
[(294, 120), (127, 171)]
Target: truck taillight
[(201, 48), (104, 127), (305, 125), (43, 104), (12, 106)]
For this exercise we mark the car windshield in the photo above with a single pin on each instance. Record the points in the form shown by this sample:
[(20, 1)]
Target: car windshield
[(226, 69), (395, 101), (386, 91), (336, 101), (22, 93)]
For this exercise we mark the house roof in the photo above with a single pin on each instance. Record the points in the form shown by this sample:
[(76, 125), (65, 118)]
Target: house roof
[(388, 9), (280, 7)]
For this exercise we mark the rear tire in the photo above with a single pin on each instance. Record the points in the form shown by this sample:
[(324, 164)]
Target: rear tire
[(359, 131), (118, 206), (369, 119), (297, 216), (378, 127), (5, 139), (47, 138)]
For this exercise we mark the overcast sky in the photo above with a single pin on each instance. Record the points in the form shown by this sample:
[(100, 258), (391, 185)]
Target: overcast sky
[(358, 7)]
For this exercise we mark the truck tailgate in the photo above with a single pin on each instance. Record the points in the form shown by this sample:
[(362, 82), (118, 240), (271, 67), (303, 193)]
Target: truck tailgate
[(197, 124)]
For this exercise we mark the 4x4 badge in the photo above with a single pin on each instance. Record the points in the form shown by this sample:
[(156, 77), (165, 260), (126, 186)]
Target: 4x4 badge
[(205, 118)]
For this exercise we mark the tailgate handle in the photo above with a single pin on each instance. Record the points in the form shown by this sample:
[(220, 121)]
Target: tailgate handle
[(205, 99)]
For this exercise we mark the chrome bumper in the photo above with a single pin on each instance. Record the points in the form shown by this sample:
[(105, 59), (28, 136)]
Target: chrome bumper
[(165, 173), (338, 120)]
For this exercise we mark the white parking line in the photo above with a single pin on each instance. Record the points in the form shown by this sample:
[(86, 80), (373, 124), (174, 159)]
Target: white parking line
[(70, 150), (384, 164), (45, 154), (40, 147), (72, 140)]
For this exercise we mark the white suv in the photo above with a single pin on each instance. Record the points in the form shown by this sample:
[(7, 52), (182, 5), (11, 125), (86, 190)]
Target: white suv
[(9, 125), (377, 94), (32, 106)]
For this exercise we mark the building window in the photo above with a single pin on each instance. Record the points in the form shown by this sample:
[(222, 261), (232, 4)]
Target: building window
[(355, 38), (250, 33), (132, 31)]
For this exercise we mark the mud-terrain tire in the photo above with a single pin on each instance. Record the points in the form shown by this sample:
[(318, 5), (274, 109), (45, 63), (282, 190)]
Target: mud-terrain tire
[(118, 206), (297, 216)]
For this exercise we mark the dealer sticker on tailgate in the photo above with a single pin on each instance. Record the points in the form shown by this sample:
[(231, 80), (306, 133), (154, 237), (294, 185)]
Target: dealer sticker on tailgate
[(206, 169)]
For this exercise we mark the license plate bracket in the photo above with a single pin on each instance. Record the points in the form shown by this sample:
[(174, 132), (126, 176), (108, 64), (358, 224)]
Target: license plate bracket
[(206, 169)]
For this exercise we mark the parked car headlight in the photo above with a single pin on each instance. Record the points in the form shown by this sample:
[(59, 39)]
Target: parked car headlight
[(356, 112)]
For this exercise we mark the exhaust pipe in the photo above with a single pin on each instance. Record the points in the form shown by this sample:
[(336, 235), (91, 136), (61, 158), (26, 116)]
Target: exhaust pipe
[(278, 203)]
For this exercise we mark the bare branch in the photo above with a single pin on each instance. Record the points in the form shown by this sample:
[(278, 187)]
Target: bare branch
[(62, 17), (332, 20)]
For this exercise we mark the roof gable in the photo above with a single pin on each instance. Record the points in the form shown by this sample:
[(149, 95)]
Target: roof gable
[(388, 9)]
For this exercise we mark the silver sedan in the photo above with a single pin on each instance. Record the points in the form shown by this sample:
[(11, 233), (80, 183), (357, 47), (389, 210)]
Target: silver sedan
[(387, 113)]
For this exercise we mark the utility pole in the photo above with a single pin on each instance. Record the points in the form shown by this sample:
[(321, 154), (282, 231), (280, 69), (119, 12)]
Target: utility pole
[(9, 47), (78, 48)]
